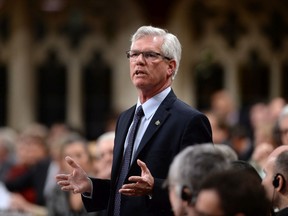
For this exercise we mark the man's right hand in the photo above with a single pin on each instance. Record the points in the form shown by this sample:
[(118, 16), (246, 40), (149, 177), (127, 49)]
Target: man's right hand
[(77, 181)]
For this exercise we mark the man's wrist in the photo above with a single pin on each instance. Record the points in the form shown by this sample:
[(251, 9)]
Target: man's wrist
[(90, 189)]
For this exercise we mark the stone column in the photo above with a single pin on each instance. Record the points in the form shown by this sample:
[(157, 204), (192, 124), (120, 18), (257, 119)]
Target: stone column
[(74, 100), (20, 77)]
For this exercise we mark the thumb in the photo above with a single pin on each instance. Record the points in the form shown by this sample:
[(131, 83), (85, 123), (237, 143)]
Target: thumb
[(143, 166), (71, 162)]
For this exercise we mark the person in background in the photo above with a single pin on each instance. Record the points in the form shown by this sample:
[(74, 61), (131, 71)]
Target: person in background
[(105, 147), (67, 203), (224, 107), (235, 192), (283, 126), (188, 170), (168, 126), (8, 139), (22, 178)]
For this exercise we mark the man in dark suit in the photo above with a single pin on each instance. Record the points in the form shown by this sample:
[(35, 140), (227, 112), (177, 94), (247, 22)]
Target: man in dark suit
[(167, 127)]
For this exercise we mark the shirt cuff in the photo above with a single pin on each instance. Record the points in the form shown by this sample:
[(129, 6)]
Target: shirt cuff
[(86, 194)]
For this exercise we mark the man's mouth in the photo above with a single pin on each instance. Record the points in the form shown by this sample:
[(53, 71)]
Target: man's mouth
[(137, 72)]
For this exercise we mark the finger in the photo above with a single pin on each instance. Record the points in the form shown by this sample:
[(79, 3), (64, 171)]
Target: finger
[(128, 186), (71, 162), (63, 183), (67, 188), (143, 166), (60, 177), (128, 192), (136, 179)]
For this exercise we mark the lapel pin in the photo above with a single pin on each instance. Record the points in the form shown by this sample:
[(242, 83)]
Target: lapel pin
[(157, 122)]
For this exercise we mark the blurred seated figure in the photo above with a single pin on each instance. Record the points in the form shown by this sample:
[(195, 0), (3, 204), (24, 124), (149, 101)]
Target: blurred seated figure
[(224, 107), (67, 203), (260, 156), (7, 150), (188, 170), (23, 178), (232, 192), (105, 147), (220, 129), (241, 142), (283, 126)]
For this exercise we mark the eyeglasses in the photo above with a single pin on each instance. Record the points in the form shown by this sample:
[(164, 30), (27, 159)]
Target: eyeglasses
[(148, 55)]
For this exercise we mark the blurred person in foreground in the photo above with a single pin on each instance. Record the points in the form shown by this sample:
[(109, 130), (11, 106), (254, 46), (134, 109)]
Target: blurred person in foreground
[(233, 192), (188, 170), (168, 126), (276, 180)]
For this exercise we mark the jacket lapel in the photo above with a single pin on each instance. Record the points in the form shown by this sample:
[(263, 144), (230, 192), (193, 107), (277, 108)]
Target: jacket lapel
[(157, 121)]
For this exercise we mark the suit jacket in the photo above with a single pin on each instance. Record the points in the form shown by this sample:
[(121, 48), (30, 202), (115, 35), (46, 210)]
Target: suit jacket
[(282, 212), (178, 126)]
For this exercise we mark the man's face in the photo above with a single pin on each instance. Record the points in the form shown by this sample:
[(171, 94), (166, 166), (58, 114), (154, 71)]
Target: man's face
[(283, 126), (150, 76), (208, 203), (269, 176)]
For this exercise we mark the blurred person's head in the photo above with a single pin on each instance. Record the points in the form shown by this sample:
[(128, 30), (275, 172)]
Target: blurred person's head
[(241, 142), (76, 147), (223, 106), (31, 149), (283, 125), (263, 133), (258, 114), (187, 171), (220, 129), (275, 107), (36, 129), (8, 139), (105, 147), (232, 192)]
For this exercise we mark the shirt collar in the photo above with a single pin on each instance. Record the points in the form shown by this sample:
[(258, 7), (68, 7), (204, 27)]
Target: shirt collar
[(151, 105)]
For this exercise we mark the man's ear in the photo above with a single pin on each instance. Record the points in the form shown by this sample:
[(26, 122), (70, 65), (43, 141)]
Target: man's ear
[(172, 67), (279, 182), (282, 182), (186, 194)]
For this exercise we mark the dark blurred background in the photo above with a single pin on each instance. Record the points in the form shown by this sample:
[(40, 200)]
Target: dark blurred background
[(63, 61)]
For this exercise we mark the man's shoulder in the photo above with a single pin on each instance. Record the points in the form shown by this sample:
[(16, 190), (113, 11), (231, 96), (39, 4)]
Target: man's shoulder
[(184, 107)]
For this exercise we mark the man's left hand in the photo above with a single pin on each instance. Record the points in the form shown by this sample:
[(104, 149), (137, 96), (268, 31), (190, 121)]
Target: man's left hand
[(141, 185)]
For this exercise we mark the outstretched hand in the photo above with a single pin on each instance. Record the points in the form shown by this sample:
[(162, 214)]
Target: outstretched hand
[(141, 185), (77, 181)]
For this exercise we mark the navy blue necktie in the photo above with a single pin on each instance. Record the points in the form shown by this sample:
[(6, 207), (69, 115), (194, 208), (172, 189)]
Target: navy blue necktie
[(127, 158)]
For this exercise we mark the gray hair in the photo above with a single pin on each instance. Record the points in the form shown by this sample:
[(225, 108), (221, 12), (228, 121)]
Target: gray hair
[(107, 136), (194, 163), (171, 46)]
